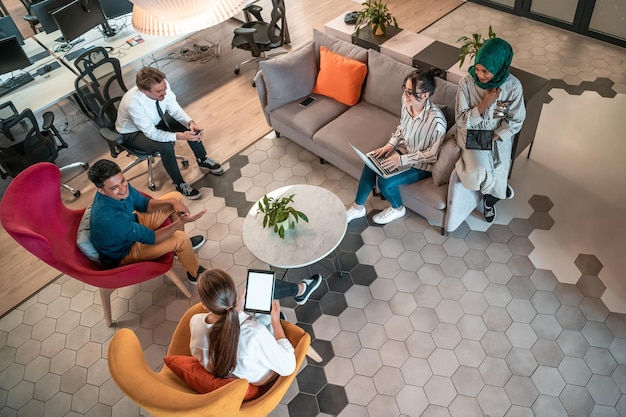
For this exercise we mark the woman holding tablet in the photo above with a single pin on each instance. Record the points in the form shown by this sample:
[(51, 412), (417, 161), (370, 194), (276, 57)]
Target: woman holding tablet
[(229, 342)]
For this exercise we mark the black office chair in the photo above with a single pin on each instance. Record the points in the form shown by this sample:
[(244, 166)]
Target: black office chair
[(100, 87), (32, 20), (38, 145), (259, 36)]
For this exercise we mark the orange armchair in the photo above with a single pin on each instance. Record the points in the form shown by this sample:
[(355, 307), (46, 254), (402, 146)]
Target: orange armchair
[(33, 214), (163, 394)]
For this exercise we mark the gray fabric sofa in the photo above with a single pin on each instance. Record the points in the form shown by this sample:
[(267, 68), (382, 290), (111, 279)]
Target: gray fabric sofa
[(327, 127)]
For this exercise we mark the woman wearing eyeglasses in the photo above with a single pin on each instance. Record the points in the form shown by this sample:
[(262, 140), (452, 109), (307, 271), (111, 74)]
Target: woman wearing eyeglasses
[(489, 106), (415, 142)]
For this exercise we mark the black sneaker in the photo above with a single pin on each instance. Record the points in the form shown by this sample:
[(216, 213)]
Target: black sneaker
[(489, 213), (194, 280), (197, 242), (211, 165), (188, 191), (510, 192), (310, 285)]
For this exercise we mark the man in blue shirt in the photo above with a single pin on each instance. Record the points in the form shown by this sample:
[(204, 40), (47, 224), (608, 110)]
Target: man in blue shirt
[(125, 224)]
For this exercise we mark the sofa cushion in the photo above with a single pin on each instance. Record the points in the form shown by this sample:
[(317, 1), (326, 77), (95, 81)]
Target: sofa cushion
[(427, 193), (384, 81), (445, 99), (339, 77), (289, 77), (449, 153), (311, 118), (365, 126), (337, 45), (83, 238)]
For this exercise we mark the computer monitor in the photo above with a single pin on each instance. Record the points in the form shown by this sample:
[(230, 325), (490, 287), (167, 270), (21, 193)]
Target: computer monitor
[(43, 12), (116, 8), (13, 56), (78, 17), (8, 28)]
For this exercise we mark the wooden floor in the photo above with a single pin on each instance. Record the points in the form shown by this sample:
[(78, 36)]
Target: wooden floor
[(225, 105)]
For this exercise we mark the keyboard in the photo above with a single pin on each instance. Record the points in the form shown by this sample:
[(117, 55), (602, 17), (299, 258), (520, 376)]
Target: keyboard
[(15, 83), (386, 172)]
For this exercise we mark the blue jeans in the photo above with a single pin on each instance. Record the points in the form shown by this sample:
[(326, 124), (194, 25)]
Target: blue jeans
[(388, 187), (284, 289)]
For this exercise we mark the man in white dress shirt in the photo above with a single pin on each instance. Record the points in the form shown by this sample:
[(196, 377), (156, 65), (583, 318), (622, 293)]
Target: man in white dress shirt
[(150, 118)]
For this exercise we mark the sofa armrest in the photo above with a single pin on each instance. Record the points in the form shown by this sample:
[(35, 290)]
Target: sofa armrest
[(261, 90), (461, 202)]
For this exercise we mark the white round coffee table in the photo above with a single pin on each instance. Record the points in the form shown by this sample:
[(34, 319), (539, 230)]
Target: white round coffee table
[(308, 242)]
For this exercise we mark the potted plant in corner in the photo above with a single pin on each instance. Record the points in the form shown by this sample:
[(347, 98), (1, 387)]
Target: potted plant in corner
[(376, 14), (279, 214), (472, 45)]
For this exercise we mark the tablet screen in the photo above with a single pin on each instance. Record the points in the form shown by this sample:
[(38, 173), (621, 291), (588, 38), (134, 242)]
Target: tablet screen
[(259, 291)]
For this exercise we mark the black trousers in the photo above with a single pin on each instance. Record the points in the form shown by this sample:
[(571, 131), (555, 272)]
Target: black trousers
[(166, 149)]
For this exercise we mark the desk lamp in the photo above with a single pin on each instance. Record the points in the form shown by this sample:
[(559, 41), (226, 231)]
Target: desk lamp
[(177, 17)]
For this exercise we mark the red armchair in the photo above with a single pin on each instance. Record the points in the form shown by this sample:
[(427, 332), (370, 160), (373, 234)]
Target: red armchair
[(33, 214)]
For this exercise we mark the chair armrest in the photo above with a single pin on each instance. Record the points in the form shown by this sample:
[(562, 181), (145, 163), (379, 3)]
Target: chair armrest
[(48, 120), (255, 11), (248, 35), (111, 136)]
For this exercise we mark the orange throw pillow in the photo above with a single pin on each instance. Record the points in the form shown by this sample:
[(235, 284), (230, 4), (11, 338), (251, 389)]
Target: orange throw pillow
[(340, 78), (191, 371)]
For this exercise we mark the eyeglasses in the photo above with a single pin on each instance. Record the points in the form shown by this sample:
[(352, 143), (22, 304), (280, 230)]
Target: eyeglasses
[(409, 92)]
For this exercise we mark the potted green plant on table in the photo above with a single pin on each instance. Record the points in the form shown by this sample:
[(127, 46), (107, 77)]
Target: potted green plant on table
[(472, 45), (279, 214), (376, 14)]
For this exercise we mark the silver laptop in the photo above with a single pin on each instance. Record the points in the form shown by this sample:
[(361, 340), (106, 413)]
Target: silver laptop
[(375, 164)]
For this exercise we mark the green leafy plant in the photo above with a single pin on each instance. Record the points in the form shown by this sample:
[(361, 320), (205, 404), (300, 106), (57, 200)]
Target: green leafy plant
[(472, 45), (376, 14), (277, 213)]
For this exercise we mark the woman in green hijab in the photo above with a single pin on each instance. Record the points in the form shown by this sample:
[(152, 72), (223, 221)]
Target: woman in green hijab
[(489, 106)]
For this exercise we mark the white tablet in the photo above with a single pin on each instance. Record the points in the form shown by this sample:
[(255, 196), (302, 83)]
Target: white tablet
[(259, 291)]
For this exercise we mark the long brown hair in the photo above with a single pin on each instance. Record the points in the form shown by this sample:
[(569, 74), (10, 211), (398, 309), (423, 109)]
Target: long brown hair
[(218, 293)]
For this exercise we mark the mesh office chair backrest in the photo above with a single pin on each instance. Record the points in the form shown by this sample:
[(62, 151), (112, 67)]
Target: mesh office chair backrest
[(100, 85), (36, 146)]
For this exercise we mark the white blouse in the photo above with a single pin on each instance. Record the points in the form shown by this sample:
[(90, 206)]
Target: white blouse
[(259, 355)]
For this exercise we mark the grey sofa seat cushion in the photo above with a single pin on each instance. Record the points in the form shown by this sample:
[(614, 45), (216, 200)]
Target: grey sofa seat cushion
[(337, 45), (384, 81), (289, 77), (364, 125), (311, 118), (427, 193)]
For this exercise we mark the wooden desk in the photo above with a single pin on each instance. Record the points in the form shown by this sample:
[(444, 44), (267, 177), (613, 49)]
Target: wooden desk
[(120, 49), (47, 88)]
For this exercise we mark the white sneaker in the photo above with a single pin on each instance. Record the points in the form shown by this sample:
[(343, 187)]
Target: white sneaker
[(354, 213), (389, 214)]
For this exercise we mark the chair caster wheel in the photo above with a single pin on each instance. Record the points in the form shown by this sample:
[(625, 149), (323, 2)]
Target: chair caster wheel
[(185, 163), (76, 194), (152, 187), (237, 70), (253, 84)]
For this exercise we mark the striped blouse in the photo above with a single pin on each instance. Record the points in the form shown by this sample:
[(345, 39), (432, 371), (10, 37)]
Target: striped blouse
[(419, 138)]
